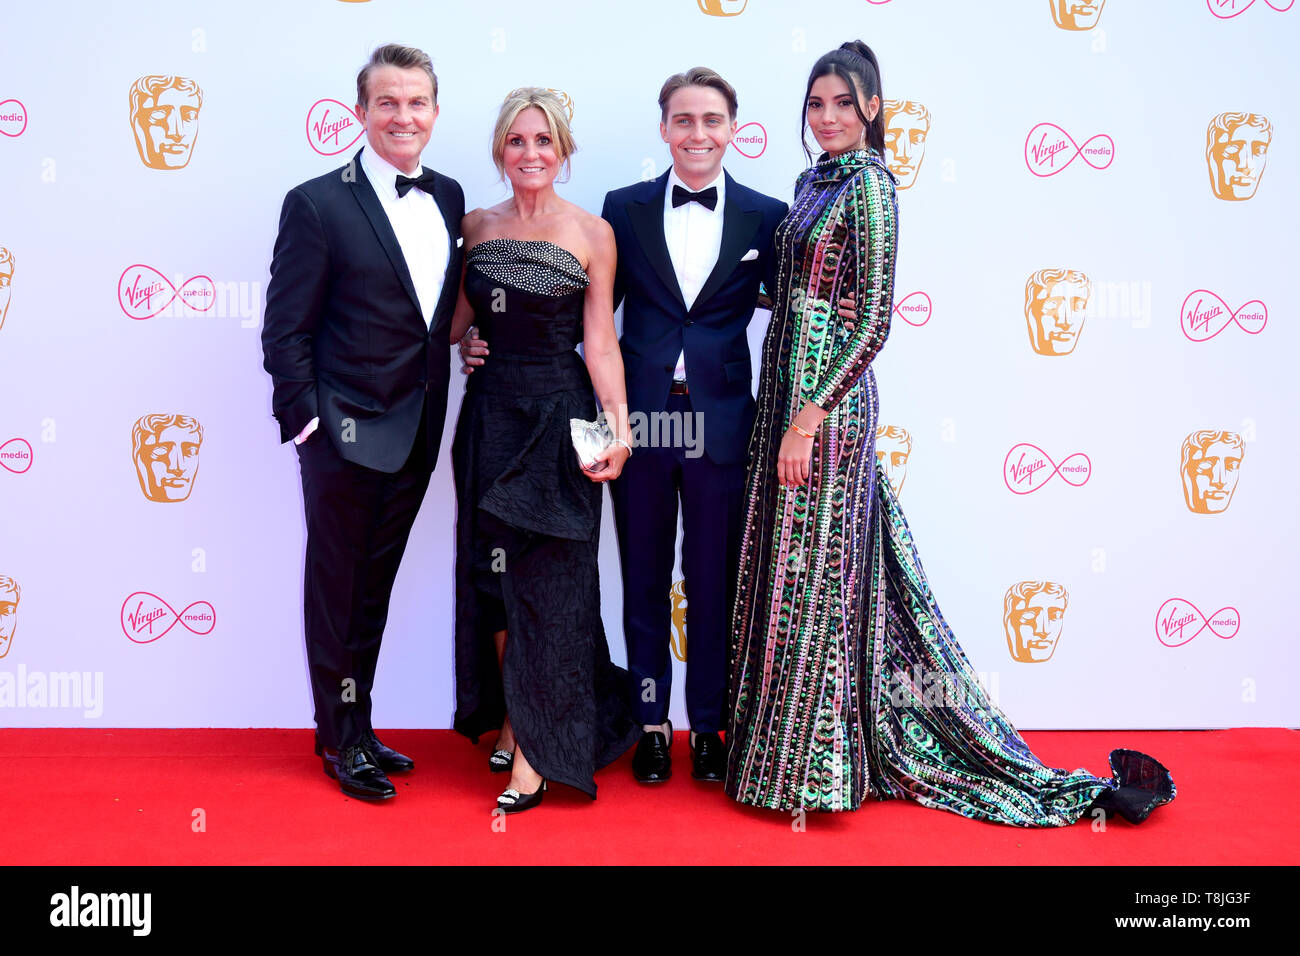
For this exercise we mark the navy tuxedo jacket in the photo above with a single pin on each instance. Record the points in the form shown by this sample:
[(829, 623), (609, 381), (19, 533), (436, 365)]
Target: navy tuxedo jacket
[(657, 326), (343, 337)]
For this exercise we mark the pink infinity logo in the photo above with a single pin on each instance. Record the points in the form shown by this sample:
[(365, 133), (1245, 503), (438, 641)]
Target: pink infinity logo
[(1026, 468), (142, 292), (1216, 5), (330, 131), (752, 144), (147, 617), (10, 117), (1176, 616), (16, 454), (918, 313), (1047, 139), (1202, 311)]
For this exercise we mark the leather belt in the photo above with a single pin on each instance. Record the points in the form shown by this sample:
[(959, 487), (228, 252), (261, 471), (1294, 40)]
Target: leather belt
[(678, 388)]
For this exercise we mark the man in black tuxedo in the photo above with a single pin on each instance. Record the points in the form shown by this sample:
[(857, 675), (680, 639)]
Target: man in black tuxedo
[(693, 246), (364, 281)]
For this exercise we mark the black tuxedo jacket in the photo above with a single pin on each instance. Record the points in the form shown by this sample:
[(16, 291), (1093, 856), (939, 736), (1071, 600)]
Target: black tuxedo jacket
[(657, 326), (343, 337)]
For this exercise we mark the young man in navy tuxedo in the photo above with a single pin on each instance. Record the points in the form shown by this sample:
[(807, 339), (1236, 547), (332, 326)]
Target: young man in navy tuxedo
[(364, 281), (693, 246)]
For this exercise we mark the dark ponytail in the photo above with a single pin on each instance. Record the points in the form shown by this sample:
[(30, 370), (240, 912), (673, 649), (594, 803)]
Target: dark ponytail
[(855, 64)]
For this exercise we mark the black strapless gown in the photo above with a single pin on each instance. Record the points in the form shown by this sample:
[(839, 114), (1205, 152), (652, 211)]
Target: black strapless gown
[(528, 524)]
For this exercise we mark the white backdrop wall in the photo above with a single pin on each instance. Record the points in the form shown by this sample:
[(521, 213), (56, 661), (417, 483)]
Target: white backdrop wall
[(1127, 200)]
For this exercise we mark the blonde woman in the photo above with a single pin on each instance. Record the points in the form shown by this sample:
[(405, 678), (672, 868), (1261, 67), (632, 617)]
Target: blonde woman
[(531, 657)]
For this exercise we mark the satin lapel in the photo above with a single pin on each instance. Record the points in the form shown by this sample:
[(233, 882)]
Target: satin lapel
[(370, 205), (738, 228), (647, 219), (451, 280)]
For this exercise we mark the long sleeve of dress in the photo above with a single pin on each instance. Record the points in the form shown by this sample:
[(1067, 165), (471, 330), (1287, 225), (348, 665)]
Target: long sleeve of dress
[(873, 231)]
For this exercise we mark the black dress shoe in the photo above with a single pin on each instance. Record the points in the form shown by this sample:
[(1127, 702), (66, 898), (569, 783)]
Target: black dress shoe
[(357, 773), (388, 759), (708, 758), (653, 762), (512, 801)]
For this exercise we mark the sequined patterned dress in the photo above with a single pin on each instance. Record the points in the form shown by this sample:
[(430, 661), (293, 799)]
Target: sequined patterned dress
[(838, 645), (528, 524)]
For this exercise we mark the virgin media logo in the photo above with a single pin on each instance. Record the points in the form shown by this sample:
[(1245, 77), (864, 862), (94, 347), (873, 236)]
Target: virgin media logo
[(143, 292), (1027, 468), (332, 127), (750, 140), (1179, 620), (147, 617), (914, 309), (1227, 9), (1049, 149), (13, 118), (1205, 315), (16, 455)]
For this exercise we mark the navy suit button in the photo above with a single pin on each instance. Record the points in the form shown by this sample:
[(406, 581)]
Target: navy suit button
[(690, 321)]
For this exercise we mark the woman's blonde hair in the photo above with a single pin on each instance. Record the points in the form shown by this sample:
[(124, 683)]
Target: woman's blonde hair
[(551, 106)]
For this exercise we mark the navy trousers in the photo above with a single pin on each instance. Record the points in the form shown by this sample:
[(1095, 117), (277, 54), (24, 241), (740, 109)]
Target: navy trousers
[(646, 498)]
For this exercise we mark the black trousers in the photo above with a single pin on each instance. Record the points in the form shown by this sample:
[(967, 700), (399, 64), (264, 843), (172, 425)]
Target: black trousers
[(358, 522), (645, 511)]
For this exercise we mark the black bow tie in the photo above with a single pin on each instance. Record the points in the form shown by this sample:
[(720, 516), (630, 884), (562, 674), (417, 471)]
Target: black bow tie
[(424, 181), (708, 198)]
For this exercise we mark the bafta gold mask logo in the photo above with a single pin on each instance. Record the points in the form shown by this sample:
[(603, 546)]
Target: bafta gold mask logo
[(1210, 467), (6, 282), (565, 100), (893, 446), (9, 595), (165, 120), (1076, 15), (678, 638), (1032, 615), (723, 8), (907, 124), (1236, 149), (166, 453), (1056, 304)]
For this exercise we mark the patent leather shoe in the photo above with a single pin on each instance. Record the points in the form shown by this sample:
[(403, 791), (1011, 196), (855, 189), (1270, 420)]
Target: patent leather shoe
[(388, 759), (653, 760), (357, 773), (512, 801), (708, 758)]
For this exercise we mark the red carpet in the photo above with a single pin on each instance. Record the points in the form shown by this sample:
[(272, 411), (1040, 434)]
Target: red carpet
[(129, 797)]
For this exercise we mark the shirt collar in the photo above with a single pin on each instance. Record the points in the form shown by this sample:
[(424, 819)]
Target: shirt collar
[(383, 174), (720, 183)]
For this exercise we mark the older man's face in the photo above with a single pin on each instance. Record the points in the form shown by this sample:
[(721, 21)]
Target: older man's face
[(1237, 161), (165, 126), (169, 461), (8, 620)]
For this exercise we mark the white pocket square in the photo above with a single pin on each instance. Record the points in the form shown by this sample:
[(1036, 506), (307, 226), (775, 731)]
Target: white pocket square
[(751, 254), (460, 241)]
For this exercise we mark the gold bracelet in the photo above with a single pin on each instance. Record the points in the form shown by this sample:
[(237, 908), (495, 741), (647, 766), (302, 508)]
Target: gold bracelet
[(798, 430)]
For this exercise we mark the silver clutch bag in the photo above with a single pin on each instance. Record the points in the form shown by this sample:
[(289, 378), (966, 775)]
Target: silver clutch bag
[(590, 439)]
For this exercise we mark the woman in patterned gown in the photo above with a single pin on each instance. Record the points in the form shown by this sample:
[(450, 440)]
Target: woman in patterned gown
[(835, 623), (531, 657)]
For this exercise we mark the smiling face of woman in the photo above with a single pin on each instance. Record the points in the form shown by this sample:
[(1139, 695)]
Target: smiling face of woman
[(832, 118), (530, 155)]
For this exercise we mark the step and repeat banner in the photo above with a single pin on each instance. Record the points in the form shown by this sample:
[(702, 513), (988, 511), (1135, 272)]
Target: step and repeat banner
[(1088, 395)]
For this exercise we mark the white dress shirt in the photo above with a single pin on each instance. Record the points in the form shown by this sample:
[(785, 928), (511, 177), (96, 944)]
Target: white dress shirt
[(694, 235), (421, 233)]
